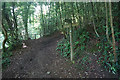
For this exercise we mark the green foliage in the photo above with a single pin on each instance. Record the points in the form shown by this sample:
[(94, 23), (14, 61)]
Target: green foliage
[(80, 42), (51, 17), (83, 63), (107, 56), (5, 62), (6, 58), (63, 48), (13, 44)]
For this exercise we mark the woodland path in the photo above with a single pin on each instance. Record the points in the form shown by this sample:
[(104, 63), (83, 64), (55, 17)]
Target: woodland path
[(40, 60)]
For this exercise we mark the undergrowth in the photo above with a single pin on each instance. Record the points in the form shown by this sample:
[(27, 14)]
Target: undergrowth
[(81, 43), (6, 58), (79, 46)]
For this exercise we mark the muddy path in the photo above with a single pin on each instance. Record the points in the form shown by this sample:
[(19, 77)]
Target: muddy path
[(40, 60)]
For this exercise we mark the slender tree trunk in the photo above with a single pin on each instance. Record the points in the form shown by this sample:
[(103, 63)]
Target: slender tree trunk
[(15, 21), (60, 12), (107, 35), (7, 18), (49, 18), (56, 17), (27, 7), (67, 31), (26, 31), (78, 12), (112, 30), (83, 13), (42, 20), (65, 9), (5, 36), (79, 17), (118, 28), (94, 20)]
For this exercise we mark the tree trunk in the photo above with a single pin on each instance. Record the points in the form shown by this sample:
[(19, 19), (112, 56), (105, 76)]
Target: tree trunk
[(7, 18), (60, 12), (5, 36), (49, 19), (43, 28), (56, 18), (78, 10), (107, 35), (25, 20), (94, 20), (112, 30), (15, 21)]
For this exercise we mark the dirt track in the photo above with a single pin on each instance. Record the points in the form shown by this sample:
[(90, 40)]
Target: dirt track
[(40, 60)]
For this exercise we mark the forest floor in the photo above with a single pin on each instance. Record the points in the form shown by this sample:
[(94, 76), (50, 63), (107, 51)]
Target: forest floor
[(39, 59)]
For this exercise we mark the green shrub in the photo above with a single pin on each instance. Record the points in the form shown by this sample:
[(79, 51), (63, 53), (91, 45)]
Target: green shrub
[(6, 58)]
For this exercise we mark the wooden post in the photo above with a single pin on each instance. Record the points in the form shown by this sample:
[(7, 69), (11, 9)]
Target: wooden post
[(71, 42), (70, 24)]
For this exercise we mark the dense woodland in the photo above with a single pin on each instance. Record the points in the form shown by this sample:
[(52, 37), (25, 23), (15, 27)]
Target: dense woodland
[(87, 26)]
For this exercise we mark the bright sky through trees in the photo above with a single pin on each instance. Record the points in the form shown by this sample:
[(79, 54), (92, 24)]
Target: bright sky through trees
[(37, 9)]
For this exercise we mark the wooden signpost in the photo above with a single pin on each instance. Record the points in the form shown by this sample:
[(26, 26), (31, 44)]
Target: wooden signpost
[(71, 42), (70, 25)]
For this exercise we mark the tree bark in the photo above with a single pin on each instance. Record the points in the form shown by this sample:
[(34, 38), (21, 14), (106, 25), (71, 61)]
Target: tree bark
[(60, 12), (49, 17), (5, 36), (15, 21), (107, 35), (56, 17), (3, 29), (78, 10), (112, 30), (25, 19), (94, 20), (42, 19), (7, 18)]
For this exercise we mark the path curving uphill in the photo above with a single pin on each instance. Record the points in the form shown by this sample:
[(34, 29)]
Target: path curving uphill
[(39, 59)]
